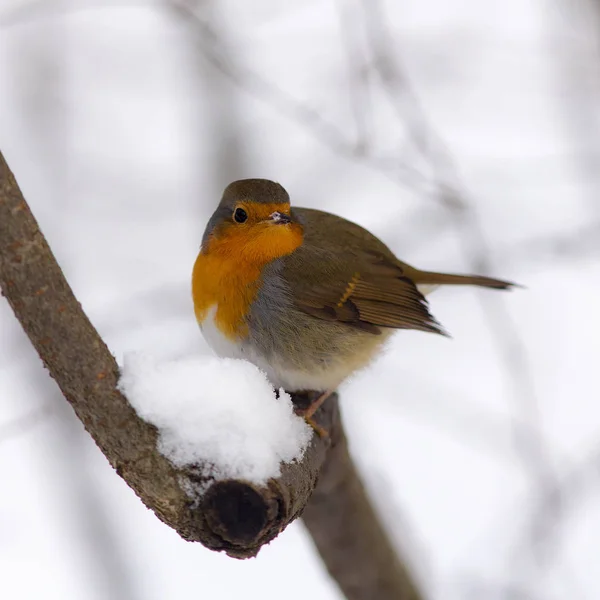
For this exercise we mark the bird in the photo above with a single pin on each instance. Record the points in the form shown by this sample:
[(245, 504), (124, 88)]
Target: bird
[(305, 295)]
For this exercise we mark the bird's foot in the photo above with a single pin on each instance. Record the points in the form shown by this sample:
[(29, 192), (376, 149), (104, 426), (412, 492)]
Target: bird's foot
[(308, 412), (320, 431)]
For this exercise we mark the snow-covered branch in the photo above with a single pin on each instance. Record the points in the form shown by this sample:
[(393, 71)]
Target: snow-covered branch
[(233, 515)]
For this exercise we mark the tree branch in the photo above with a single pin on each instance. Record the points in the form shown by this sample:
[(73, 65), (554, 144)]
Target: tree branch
[(233, 516), (348, 535)]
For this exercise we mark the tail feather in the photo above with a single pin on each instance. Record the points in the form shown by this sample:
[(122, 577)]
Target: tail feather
[(430, 278)]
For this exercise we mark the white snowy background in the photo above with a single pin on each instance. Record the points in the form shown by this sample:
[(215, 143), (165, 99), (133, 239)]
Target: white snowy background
[(124, 120)]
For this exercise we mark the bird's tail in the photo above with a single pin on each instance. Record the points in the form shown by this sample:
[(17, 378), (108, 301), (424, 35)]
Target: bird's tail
[(427, 278)]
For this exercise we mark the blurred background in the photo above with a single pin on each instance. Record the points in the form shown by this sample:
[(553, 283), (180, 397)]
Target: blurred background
[(465, 133)]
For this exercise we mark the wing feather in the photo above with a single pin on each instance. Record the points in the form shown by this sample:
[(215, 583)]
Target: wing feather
[(343, 273)]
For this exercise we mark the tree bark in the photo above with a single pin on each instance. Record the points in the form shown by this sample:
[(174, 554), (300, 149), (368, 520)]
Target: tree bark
[(232, 516), (348, 535)]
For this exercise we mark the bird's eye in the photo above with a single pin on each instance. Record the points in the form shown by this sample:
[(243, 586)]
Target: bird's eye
[(240, 215)]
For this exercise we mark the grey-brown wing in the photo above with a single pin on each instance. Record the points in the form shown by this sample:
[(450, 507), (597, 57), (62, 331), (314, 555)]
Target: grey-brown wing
[(363, 290)]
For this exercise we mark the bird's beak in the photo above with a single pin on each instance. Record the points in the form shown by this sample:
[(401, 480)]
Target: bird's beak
[(280, 218)]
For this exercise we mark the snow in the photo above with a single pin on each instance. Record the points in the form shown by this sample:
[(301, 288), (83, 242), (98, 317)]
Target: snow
[(219, 413)]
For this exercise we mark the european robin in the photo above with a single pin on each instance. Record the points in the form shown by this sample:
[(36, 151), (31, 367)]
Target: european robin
[(305, 295)]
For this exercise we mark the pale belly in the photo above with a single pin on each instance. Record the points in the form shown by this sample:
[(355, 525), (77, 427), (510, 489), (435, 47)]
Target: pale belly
[(220, 344), (277, 371)]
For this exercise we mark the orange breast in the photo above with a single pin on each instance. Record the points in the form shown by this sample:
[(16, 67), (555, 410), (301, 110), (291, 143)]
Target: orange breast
[(228, 270), (221, 282)]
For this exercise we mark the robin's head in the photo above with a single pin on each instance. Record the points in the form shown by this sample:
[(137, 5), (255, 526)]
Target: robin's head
[(253, 222)]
